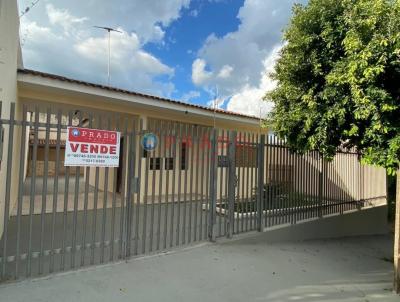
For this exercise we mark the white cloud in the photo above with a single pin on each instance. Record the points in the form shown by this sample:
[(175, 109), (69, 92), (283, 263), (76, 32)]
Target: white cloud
[(126, 53), (236, 62), (63, 18), (225, 72), (199, 73), (249, 100), (70, 49), (193, 94)]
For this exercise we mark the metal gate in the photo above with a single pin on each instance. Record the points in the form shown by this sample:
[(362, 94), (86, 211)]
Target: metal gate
[(198, 184), (57, 218)]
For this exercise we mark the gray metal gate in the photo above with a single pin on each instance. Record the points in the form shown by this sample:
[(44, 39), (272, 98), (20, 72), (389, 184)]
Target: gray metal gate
[(198, 184)]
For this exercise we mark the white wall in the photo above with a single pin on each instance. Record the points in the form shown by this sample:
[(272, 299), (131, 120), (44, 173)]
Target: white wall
[(10, 59)]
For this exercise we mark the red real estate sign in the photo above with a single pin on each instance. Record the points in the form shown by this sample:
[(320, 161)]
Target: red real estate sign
[(92, 147)]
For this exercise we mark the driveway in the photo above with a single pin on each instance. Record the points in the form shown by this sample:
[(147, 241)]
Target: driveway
[(247, 269)]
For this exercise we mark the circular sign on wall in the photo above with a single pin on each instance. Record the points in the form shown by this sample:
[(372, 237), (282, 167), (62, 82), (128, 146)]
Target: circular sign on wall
[(149, 141)]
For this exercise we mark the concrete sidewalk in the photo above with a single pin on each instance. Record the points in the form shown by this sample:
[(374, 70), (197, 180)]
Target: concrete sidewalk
[(248, 269)]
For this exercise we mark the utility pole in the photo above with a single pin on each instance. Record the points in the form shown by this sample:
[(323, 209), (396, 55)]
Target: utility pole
[(109, 30)]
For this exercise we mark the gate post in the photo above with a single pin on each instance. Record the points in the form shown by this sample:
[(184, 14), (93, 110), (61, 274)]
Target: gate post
[(231, 183), (213, 186), (260, 184)]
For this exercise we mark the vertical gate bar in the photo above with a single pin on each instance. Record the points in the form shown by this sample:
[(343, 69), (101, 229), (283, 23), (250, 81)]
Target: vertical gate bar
[(55, 190), (300, 179), (260, 193), (121, 252), (305, 203), (299, 186), (286, 198), (343, 196), (236, 180), (129, 208), (291, 187), (279, 177), (114, 196), (76, 200), (268, 182), (133, 214), (251, 186), (231, 179), (95, 201), (174, 168), (254, 182), (146, 178), (213, 185), (8, 188), (284, 183), (153, 188), (222, 179), (32, 191), (20, 189), (295, 187), (242, 201), (188, 149), (202, 161), (333, 205), (167, 156), (180, 144), (162, 148), (272, 181), (325, 186), (303, 185), (325, 196), (196, 181), (349, 180), (137, 146), (191, 146), (105, 202), (65, 209), (346, 182), (309, 181), (248, 186), (207, 182), (85, 204), (276, 185), (44, 191), (314, 185), (126, 218), (343, 181), (320, 183)]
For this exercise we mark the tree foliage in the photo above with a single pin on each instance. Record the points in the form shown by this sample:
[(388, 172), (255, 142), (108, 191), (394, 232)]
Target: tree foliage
[(338, 79)]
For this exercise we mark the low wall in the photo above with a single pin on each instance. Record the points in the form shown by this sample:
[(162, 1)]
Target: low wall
[(369, 221)]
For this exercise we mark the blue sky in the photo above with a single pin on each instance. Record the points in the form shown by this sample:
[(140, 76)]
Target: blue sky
[(182, 49)]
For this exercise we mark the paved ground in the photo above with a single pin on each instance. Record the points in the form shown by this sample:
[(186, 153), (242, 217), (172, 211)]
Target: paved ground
[(249, 269)]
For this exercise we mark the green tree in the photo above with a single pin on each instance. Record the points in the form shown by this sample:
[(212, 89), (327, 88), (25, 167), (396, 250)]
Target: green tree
[(338, 81)]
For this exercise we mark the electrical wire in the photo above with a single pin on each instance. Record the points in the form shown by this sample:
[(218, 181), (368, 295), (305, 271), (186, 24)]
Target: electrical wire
[(28, 8)]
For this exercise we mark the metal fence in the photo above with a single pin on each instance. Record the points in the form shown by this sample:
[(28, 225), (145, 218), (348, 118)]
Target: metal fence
[(198, 184)]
